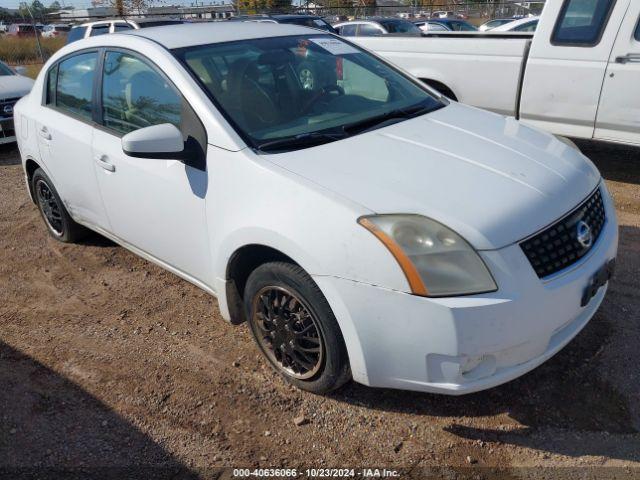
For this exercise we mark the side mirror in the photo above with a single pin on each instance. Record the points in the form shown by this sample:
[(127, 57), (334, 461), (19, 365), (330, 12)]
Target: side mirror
[(158, 141), (20, 70)]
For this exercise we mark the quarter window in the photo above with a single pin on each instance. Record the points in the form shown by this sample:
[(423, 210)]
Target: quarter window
[(581, 22), (75, 84), (135, 95)]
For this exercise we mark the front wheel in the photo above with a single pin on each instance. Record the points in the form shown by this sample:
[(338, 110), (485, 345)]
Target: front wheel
[(295, 328)]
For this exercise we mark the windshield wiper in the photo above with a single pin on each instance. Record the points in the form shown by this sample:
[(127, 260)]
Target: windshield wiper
[(370, 123), (301, 140)]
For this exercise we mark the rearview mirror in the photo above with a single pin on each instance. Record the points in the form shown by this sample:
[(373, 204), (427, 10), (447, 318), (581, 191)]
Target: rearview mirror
[(158, 141)]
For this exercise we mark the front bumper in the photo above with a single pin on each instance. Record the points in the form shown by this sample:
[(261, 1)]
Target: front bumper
[(461, 345)]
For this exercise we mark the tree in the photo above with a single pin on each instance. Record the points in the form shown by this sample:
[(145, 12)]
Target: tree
[(54, 6), (124, 7)]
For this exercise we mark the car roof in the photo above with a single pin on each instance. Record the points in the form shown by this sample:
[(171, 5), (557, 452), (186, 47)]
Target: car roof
[(191, 34), (516, 23)]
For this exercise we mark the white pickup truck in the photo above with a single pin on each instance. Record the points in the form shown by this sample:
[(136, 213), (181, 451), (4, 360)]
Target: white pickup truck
[(577, 76)]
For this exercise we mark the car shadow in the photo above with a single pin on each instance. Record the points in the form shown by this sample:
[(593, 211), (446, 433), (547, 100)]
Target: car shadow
[(52, 428), (571, 394), (620, 163)]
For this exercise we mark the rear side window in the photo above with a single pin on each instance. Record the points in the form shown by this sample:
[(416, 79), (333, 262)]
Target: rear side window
[(74, 87), (76, 34), (637, 35), (581, 22), (99, 30), (135, 95)]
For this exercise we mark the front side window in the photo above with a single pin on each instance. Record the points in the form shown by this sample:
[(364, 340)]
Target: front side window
[(581, 22), (348, 30), (315, 87), (400, 26), (135, 95), (121, 27), (74, 88), (368, 30)]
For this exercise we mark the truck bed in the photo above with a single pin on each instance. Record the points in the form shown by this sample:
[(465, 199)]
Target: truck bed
[(480, 69)]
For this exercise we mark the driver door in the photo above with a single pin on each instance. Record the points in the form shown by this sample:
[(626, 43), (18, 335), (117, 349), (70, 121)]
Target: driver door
[(154, 205)]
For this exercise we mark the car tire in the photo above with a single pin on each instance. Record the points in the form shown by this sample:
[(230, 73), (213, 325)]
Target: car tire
[(294, 327), (56, 217)]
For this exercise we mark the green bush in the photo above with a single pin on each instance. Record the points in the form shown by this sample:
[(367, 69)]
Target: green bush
[(24, 50)]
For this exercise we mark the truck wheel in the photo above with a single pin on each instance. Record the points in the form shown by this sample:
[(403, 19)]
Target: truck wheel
[(58, 221), (295, 328)]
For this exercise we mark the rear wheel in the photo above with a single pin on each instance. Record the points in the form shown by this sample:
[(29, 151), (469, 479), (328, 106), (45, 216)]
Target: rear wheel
[(295, 328), (58, 221)]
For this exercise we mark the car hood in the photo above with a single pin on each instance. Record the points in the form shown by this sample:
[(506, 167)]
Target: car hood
[(12, 86), (490, 178)]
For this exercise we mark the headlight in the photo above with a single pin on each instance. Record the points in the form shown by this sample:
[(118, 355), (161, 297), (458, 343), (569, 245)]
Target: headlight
[(436, 260)]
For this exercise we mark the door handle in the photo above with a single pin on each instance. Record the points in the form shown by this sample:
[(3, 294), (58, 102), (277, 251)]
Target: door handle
[(102, 161), (629, 58), (44, 133)]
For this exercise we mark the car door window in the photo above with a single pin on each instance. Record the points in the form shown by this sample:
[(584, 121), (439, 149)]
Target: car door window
[(135, 95), (99, 30), (348, 30), (637, 34), (367, 30), (581, 22), (121, 27), (74, 88)]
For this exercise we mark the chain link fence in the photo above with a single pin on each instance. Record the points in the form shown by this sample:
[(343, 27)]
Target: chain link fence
[(475, 11)]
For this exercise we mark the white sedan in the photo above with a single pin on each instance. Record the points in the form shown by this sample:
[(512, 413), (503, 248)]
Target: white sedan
[(366, 228)]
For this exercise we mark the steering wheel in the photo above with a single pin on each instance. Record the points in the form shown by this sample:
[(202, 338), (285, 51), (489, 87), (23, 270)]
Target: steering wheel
[(258, 107), (323, 92)]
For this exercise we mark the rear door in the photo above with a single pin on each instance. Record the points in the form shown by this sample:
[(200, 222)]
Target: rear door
[(65, 132), (567, 63), (619, 109)]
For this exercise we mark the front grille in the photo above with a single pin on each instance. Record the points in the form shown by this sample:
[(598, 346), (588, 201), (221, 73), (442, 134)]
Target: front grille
[(6, 107), (558, 246)]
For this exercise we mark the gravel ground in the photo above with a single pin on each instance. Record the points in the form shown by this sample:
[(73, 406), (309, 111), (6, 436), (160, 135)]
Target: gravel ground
[(108, 361)]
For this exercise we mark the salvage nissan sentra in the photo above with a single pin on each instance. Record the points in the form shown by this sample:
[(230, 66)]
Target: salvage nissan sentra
[(363, 225)]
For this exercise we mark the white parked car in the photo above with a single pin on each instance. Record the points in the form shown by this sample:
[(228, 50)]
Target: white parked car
[(12, 87), (55, 30), (527, 24), (103, 27), (368, 228)]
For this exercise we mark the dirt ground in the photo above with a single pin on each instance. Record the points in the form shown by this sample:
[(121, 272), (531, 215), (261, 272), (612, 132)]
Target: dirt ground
[(109, 362)]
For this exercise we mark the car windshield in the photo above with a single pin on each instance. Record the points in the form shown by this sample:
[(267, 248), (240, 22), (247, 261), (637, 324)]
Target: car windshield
[(312, 87), (5, 70)]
